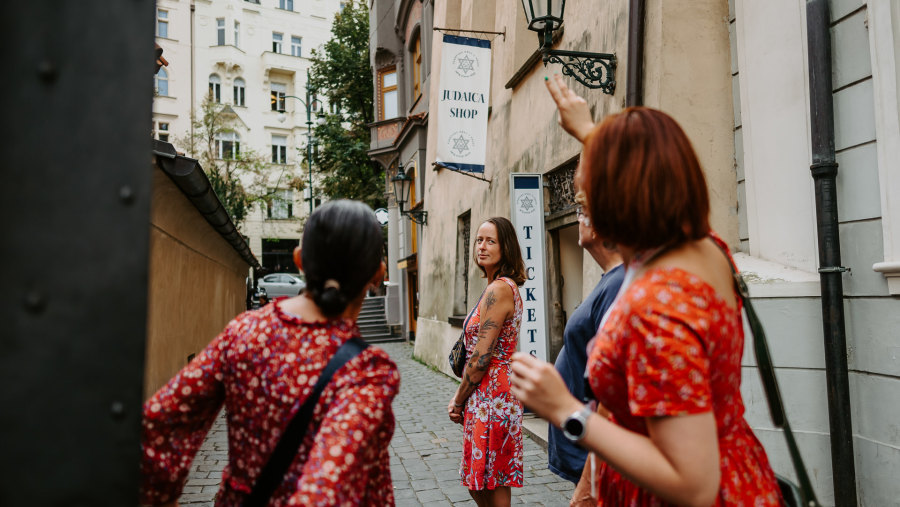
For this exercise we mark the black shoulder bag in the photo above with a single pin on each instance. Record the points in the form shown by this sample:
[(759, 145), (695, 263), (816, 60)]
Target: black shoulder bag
[(804, 496), (273, 473)]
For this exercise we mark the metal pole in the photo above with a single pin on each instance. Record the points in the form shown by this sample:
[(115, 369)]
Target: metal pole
[(824, 172), (309, 142)]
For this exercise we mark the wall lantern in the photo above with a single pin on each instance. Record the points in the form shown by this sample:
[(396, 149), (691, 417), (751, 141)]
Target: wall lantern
[(594, 70), (401, 183)]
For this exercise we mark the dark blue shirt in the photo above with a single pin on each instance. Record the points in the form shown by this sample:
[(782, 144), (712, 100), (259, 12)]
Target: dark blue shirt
[(566, 458)]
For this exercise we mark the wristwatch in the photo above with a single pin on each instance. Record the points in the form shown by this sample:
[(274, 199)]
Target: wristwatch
[(575, 425)]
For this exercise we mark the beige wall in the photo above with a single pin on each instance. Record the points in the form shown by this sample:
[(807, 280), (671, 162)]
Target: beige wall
[(197, 283), (687, 75)]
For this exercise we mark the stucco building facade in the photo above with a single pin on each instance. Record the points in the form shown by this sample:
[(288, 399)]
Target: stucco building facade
[(400, 53), (735, 74), (251, 56)]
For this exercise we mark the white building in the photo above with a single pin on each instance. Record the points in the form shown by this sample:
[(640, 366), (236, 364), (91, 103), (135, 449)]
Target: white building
[(251, 55)]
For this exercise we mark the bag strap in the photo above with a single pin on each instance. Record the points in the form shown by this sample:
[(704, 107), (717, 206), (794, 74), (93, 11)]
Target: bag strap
[(770, 383), (273, 473)]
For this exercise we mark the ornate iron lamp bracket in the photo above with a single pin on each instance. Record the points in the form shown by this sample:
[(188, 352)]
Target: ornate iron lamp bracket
[(594, 70), (417, 216)]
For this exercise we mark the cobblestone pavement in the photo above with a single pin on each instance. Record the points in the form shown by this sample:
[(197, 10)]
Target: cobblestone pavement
[(425, 451)]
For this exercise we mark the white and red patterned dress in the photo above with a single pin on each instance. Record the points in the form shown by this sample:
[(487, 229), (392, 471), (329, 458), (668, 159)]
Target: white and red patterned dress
[(492, 427), (262, 367)]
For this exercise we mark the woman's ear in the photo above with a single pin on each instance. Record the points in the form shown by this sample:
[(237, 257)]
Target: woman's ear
[(379, 275), (298, 260)]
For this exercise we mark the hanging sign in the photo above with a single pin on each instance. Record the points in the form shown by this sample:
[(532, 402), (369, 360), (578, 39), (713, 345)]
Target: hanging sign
[(463, 103), (527, 201)]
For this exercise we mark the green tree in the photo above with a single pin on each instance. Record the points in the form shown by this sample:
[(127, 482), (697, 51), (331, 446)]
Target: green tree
[(341, 72), (237, 174)]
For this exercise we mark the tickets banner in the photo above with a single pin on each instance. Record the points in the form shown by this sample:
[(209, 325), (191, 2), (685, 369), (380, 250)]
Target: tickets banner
[(527, 200), (463, 103)]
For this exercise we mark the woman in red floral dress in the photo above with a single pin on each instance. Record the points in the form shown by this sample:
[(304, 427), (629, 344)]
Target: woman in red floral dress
[(492, 460), (666, 362), (263, 367)]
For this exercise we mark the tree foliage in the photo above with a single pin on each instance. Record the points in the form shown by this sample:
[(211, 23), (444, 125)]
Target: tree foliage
[(341, 72), (239, 181)]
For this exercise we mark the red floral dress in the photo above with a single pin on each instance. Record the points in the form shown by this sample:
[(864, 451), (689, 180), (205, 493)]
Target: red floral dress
[(263, 366), (492, 428), (672, 346)]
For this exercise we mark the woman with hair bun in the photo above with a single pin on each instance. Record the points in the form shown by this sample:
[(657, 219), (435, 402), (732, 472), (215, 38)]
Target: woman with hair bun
[(491, 416), (263, 367)]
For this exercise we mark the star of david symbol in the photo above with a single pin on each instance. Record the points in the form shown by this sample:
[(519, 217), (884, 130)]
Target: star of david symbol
[(460, 144), (526, 203), (466, 64)]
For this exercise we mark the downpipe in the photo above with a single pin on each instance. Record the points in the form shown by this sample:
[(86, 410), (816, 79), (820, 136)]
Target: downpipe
[(634, 81), (824, 172)]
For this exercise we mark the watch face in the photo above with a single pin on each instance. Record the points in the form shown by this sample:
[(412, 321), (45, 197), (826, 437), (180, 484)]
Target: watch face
[(574, 428)]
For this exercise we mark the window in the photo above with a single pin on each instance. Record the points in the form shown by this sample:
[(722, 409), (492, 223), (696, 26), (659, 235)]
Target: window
[(228, 145), (281, 205), (279, 149), (237, 34), (463, 256), (239, 88), (220, 31), (161, 131), (277, 38), (287, 5), (215, 88), (388, 88), (162, 23), (343, 6), (417, 68), (252, 2), (162, 82), (279, 90), (296, 46)]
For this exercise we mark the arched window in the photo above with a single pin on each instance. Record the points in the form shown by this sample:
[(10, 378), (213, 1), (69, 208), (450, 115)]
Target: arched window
[(417, 67), (215, 87), (162, 82), (228, 145), (239, 92)]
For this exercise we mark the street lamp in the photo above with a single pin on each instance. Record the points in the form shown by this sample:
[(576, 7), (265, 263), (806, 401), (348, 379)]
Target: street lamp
[(401, 183), (310, 104), (594, 70)]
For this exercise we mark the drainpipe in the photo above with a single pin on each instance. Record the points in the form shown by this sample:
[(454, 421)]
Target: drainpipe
[(634, 81), (824, 171), (192, 77)]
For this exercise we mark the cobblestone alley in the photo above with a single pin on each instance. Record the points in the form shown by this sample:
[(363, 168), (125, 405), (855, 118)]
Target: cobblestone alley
[(425, 450)]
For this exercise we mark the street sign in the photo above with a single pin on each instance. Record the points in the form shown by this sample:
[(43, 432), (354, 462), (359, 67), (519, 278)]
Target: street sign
[(381, 215)]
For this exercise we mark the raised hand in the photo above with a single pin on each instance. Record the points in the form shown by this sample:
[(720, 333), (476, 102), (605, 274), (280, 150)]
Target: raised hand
[(574, 113)]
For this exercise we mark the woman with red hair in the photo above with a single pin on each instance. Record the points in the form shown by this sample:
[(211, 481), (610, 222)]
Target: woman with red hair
[(666, 362)]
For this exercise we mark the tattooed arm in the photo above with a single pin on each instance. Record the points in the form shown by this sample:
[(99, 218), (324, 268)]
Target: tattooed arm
[(497, 305)]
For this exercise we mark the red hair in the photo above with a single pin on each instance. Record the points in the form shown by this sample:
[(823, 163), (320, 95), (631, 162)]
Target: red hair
[(642, 181)]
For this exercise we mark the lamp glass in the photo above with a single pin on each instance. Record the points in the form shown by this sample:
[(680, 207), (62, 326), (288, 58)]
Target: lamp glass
[(401, 187), (544, 15)]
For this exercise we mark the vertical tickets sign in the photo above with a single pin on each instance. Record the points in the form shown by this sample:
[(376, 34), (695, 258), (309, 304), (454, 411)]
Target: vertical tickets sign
[(463, 103), (527, 202)]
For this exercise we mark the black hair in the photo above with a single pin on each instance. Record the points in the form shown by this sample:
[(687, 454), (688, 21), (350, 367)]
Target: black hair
[(342, 241)]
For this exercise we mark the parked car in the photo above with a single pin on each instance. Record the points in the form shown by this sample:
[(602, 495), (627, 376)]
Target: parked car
[(281, 284)]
